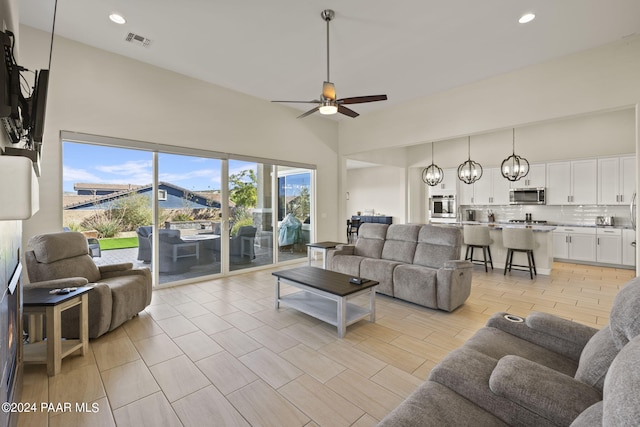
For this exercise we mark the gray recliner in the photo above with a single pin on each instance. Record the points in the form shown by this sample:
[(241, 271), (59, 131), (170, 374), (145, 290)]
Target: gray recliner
[(119, 291)]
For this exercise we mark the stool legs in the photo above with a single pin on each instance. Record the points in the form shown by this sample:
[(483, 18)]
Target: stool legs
[(530, 260), (485, 250)]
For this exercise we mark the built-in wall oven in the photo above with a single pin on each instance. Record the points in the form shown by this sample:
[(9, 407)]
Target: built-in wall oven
[(442, 206)]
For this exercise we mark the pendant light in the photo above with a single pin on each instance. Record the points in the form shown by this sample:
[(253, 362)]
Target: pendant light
[(469, 171), (432, 175), (514, 167)]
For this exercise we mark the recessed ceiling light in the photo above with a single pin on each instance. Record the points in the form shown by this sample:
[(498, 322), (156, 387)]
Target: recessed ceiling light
[(527, 17), (118, 19)]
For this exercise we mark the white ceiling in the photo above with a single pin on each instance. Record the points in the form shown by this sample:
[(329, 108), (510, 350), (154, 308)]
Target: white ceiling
[(275, 50)]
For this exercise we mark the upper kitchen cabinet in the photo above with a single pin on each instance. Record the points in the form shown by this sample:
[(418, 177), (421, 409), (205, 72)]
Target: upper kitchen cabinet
[(572, 183), (537, 177), (448, 185), (616, 180), (491, 189)]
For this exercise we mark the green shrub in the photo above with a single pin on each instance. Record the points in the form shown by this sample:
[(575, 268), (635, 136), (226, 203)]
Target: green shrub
[(103, 224), (182, 216), (74, 226), (241, 223), (132, 211)]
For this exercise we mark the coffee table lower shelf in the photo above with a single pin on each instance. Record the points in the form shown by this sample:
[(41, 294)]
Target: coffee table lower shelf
[(324, 309)]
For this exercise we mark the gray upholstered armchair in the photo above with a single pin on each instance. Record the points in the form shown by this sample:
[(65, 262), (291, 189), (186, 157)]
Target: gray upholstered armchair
[(62, 260)]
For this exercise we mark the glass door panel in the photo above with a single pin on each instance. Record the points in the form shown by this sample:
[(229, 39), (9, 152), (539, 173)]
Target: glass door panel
[(189, 217), (107, 196), (251, 233), (294, 212)]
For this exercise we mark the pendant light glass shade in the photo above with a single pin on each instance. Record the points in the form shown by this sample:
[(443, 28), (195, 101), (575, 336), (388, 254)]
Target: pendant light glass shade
[(514, 167), (469, 171), (432, 175)]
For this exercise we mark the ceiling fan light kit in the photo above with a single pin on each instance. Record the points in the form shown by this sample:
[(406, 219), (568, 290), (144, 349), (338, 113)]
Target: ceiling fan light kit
[(514, 167), (328, 104), (469, 171)]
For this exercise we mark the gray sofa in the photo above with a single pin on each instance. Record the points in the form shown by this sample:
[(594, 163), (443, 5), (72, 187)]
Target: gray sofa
[(538, 371), (412, 262), (120, 292)]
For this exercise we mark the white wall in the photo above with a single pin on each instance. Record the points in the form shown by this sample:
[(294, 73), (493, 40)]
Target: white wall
[(95, 92), (381, 189)]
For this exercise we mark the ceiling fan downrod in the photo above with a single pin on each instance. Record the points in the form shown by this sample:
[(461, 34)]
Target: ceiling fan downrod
[(327, 15)]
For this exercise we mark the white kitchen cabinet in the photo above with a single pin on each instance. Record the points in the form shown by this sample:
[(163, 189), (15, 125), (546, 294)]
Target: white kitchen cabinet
[(465, 194), (448, 185), (575, 243), (572, 183), (609, 245), (491, 189), (537, 177), (628, 250), (616, 180)]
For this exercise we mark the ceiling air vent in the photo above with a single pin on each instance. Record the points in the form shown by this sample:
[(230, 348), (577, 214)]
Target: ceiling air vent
[(138, 39)]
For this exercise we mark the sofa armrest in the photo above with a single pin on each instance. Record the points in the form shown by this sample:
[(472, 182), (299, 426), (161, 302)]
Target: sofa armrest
[(59, 283), (115, 267), (546, 330), (548, 393), (339, 250), (453, 284), (130, 272), (457, 264)]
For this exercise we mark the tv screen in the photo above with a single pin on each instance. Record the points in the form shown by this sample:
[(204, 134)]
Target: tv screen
[(39, 105)]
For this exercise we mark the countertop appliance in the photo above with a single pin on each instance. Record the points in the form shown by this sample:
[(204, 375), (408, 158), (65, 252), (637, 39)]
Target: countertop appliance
[(471, 215), (443, 206), (604, 220), (527, 196)]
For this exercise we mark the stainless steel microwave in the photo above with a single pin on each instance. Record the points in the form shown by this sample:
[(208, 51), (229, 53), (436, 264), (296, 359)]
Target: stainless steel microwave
[(442, 206), (527, 196)]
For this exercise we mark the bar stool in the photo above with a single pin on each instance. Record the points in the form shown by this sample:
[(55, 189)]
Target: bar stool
[(352, 228), (519, 240), (477, 236)]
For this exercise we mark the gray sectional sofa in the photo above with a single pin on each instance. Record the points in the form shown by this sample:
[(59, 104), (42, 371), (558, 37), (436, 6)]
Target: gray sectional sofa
[(416, 263), (538, 371)]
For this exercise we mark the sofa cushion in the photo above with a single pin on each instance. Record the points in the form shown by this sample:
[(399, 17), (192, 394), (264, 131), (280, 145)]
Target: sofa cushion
[(625, 314), (596, 358), (370, 240), (347, 264), (434, 405), (592, 416), (78, 266), (53, 247), (416, 284), (621, 396), (380, 270), (400, 243), (437, 245)]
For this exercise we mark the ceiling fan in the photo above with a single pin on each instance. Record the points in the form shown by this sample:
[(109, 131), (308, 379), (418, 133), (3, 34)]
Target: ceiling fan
[(328, 104)]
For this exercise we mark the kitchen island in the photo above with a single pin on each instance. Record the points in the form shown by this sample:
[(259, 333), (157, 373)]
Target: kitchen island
[(543, 252)]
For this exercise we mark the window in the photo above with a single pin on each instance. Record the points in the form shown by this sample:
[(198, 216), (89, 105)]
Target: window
[(162, 195)]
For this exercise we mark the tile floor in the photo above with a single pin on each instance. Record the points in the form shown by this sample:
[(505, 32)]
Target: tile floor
[(217, 353)]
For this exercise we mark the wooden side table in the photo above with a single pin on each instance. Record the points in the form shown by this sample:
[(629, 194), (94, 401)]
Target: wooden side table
[(38, 302), (322, 247)]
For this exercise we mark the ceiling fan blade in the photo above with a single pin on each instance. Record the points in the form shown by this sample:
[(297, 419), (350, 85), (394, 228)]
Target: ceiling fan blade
[(362, 99), (347, 111), (329, 91), (315, 101), (308, 113)]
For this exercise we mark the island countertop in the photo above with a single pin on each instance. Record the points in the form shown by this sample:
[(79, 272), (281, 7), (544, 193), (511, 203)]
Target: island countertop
[(545, 228)]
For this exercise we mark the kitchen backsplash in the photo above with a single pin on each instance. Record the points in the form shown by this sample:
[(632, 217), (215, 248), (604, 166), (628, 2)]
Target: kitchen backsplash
[(570, 215)]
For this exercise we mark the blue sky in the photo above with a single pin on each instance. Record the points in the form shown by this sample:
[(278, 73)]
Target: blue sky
[(83, 163)]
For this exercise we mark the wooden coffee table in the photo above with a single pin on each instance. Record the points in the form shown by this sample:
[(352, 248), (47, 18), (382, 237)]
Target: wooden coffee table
[(325, 295)]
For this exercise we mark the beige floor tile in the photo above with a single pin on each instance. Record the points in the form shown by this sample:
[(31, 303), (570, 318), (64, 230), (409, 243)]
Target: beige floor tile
[(157, 348), (210, 323), (177, 326), (191, 309), (352, 358), (236, 342), (263, 406), (94, 414), (273, 339), (243, 321), (367, 395), (392, 354), (366, 421), (142, 326), (272, 368), (226, 372), (397, 381), (110, 354), (320, 367), (34, 389), (220, 307), (207, 407), (161, 311), (197, 345), (128, 383), (151, 411), (320, 403), (179, 377), (310, 335), (80, 385)]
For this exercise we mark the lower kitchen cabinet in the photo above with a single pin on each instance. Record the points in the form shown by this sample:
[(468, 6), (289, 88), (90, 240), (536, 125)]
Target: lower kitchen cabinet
[(575, 243), (628, 250), (609, 245)]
